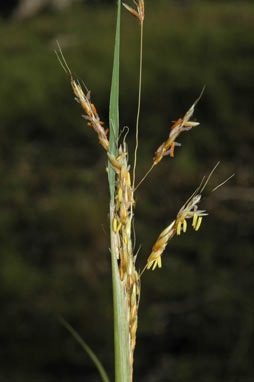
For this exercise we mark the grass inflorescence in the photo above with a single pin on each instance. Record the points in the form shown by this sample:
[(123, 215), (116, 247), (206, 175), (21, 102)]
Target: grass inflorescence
[(122, 181)]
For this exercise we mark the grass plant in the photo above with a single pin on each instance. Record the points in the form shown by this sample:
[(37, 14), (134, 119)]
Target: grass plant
[(126, 278)]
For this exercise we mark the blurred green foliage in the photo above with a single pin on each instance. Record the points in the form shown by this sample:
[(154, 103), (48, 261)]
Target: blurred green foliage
[(196, 313)]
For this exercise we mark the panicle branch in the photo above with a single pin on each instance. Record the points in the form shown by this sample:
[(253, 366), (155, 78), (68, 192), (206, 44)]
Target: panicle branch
[(168, 147), (182, 124), (83, 99), (188, 211)]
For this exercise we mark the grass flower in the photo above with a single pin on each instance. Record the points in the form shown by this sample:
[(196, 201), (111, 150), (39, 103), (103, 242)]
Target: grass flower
[(140, 12)]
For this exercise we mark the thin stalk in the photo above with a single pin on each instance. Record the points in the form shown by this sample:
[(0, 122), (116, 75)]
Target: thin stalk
[(121, 326), (144, 177), (139, 102)]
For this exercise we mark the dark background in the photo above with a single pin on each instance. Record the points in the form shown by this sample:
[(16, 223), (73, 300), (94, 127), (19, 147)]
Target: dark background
[(196, 313)]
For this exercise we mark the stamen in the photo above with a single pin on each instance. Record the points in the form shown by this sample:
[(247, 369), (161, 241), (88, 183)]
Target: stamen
[(155, 264), (178, 229), (184, 225), (128, 179), (194, 221), (197, 226), (115, 225), (120, 194)]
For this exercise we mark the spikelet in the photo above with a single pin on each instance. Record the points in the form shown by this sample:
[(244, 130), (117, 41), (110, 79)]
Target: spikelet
[(140, 12)]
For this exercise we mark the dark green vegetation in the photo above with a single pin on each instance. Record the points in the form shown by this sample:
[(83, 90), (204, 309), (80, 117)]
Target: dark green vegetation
[(196, 315)]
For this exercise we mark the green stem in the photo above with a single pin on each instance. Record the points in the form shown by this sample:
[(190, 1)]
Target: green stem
[(121, 326)]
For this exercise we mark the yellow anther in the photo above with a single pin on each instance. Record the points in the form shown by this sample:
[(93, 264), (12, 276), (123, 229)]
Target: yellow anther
[(118, 227), (128, 179), (115, 225), (156, 263), (120, 194), (194, 221), (184, 225), (179, 228), (198, 223)]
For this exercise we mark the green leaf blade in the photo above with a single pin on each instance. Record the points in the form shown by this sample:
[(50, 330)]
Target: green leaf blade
[(87, 349)]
